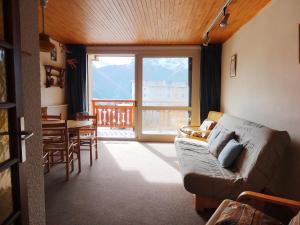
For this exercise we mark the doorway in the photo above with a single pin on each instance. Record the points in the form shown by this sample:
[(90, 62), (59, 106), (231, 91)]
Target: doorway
[(113, 95)]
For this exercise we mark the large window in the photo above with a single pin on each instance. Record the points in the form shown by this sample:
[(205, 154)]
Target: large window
[(113, 77), (165, 94)]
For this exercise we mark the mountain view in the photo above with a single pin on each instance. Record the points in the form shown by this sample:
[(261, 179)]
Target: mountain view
[(113, 77)]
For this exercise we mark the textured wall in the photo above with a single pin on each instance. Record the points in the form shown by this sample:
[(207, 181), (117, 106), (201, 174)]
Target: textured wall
[(32, 110), (266, 88), (52, 95)]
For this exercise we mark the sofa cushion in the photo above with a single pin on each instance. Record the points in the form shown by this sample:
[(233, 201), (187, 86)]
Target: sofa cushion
[(202, 172), (213, 135), (221, 140), (263, 150), (230, 153)]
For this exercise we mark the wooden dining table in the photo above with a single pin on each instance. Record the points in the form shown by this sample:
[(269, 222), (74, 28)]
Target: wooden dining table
[(72, 124)]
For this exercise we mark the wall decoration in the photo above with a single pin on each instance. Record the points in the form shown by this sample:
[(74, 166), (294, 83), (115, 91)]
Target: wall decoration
[(233, 65), (55, 76), (53, 54)]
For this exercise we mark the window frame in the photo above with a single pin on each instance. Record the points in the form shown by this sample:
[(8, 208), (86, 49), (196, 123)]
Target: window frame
[(191, 51)]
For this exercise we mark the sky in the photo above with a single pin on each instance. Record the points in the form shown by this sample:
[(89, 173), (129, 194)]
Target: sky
[(171, 63), (107, 60)]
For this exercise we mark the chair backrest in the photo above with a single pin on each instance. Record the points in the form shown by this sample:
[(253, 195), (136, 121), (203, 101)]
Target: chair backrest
[(51, 117), (86, 116), (44, 110), (56, 132)]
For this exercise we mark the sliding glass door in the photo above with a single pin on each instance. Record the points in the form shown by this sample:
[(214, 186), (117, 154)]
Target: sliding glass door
[(146, 92), (165, 95), (113, 95)]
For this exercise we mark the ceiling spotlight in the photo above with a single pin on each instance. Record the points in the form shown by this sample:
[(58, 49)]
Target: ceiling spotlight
[(225, 19), (206, 39)]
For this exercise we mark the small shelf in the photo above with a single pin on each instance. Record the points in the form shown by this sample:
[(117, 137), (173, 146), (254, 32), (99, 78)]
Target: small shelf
[(55, 76)]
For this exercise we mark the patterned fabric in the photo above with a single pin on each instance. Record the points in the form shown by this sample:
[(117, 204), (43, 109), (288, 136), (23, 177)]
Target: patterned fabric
[(241, 214), (207, 125), (295, 220)]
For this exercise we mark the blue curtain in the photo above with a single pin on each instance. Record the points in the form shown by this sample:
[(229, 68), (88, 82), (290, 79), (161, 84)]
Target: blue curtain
[(210, 85), (76, 79)]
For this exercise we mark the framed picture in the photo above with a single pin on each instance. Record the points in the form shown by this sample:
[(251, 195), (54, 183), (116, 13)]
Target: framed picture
[(53, 55), (233, 65)]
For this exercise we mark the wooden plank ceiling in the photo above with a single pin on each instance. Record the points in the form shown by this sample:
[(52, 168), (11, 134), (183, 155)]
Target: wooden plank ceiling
[(143, 22)]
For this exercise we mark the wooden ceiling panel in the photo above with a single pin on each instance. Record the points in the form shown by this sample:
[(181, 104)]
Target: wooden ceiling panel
[(138, 22)]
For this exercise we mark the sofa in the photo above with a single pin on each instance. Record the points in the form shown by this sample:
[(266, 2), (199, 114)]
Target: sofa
[(253, 170)]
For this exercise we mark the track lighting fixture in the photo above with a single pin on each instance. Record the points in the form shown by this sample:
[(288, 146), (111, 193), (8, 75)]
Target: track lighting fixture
[(222, 12), (206, 40), (225, 19)]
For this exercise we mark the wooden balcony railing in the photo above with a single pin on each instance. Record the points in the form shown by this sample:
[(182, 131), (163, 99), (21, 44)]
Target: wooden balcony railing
[(115, 113)]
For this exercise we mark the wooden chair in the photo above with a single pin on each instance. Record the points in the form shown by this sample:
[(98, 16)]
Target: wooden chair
[(44, 110), (46, 161), (56, 143), (258, 201), (88, 135), (52, 117)]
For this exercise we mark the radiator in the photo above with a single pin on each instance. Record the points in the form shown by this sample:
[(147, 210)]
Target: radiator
[(58, 109)]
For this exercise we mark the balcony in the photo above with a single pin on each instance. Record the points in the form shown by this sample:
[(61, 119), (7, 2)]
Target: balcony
[(116, 118)]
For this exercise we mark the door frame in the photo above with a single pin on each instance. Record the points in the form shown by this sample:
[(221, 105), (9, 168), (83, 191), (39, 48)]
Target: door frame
[(192, 51), (90, 88), (12, 46)]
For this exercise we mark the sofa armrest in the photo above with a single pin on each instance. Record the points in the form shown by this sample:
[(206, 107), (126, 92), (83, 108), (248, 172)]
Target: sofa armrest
[(259, 197)]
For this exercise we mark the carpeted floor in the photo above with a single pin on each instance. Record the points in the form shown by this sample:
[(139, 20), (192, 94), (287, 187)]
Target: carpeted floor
[(131, 183)]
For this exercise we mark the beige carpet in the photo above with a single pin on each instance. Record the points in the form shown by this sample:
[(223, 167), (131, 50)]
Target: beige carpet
[(131, 183)]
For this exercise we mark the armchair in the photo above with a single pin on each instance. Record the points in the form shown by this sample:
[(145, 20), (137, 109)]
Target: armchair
[(257, 201)]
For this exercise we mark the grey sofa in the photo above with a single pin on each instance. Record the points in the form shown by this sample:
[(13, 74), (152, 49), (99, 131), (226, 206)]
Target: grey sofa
[(253, 170)]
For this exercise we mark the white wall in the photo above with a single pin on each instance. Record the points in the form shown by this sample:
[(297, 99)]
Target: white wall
[(267, 86), (52, 95)]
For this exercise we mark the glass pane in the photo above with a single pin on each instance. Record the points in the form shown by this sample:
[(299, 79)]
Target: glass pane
[(164, 121), (113, 77), (165, 82), (4, 139), (3, 92), (1, 21), (6, 200)]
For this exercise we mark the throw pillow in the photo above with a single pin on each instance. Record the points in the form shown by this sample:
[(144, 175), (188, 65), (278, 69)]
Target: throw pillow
[(242, 214), (221, 140), (230, 153), (207, 125), (200, 133), (213, 135)]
